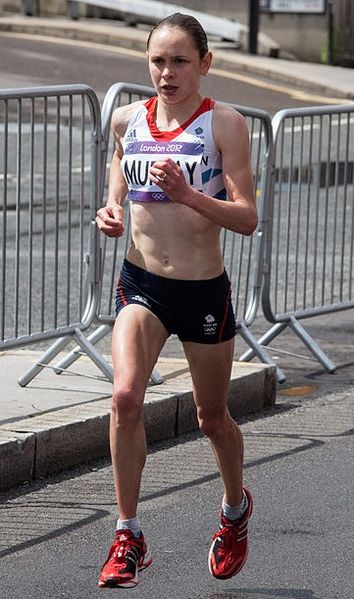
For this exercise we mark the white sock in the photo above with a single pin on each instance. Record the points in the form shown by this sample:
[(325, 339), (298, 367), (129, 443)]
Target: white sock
[(132, 524), (237, 511)]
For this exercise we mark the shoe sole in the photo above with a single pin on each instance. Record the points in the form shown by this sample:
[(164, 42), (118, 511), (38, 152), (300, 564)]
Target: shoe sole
[(231, 574)]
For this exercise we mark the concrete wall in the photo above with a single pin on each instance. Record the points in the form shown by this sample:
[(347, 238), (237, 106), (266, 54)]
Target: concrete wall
[(303, 36), (10, 6), (43, 7)]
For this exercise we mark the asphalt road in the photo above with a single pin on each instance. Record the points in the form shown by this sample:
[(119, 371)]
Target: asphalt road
[(30, 61), (299, 465)]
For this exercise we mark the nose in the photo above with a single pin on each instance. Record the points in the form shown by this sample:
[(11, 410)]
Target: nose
[(167, 72)]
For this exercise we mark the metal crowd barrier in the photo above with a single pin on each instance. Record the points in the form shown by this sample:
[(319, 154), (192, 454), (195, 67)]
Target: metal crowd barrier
[(243, 255), (49, 143), (309, 258), (53, 161)]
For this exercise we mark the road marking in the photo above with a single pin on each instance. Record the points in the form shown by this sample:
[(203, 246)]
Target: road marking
[(69, 42), (296, 94), (282, 89)]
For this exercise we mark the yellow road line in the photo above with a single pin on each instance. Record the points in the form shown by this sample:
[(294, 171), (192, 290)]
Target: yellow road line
[(294, 93), (281, 89), (70, 42)]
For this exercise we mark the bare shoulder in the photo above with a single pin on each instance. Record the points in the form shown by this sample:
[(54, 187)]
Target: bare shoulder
[(121, 116), (228, 122)]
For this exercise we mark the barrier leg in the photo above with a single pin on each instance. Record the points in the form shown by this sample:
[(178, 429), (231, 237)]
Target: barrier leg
[(49, 355), (312, 345), (264, 340), (86, 344), (75, 353), (156, 377), (95, 356), (259, 351)]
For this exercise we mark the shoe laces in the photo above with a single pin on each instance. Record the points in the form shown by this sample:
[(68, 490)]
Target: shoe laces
[(124, 544), (229, 530)]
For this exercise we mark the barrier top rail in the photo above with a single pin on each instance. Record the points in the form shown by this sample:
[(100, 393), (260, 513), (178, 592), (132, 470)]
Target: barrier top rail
[(148, 91), (50, 91), (109, 101), (309, 111)]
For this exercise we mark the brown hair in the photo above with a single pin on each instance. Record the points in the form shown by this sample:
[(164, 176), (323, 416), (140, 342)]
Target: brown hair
[(188, 24)]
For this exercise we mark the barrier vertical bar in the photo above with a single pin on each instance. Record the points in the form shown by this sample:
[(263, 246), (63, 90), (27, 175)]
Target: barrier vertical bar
[(82, 198), (298, 211), (56, 212), (30, 218), (317, 221), (18, 213), (308, 195), (68, 210), (44, 210), (4, 222)]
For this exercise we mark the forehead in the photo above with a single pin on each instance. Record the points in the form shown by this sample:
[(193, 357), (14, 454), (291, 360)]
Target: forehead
[(171, 40)]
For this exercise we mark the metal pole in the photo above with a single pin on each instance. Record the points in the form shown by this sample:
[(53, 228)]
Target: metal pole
[(30, 8), (73, 10), (331, 57), (253, 26)]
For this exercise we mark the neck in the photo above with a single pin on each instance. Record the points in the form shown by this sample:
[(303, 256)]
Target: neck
[(167, 115)]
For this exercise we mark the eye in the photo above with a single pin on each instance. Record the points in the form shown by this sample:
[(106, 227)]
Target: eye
[(180, 60), (157, 61)]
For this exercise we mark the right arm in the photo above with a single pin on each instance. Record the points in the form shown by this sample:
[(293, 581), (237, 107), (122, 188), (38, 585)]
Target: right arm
[(109, 219)]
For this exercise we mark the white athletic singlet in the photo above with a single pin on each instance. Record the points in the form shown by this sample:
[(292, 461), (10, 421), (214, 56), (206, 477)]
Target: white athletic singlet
[(191, 146)]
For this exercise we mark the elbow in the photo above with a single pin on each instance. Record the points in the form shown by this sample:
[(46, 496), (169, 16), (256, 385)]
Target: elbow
[(251, 225)]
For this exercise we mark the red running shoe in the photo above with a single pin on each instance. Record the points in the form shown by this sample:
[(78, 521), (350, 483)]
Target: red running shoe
[(229, 549), (126, 557)]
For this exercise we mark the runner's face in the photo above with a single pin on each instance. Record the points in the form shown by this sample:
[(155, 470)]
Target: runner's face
[(175, 65)]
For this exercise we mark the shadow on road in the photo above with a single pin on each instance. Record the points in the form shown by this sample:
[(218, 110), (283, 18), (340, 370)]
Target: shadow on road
[(266, 594)]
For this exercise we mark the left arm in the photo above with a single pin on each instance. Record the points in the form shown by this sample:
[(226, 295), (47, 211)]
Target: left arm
[(239, 214)]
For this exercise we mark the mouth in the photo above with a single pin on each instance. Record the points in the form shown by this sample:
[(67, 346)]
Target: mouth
[(169, 89)]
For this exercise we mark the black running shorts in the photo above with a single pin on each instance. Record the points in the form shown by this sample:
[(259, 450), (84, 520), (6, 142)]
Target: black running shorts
[(199, 311)]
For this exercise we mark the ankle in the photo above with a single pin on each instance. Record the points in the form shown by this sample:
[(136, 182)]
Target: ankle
[(132, 524), (235, 512)]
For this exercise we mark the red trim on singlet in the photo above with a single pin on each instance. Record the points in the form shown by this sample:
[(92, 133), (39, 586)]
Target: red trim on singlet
[(206, 105), (226, 312)]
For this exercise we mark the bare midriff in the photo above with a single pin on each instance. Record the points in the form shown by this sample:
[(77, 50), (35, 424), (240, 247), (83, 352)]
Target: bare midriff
[(172, 240)]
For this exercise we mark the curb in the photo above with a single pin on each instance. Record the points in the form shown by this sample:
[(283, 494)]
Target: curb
[(35, 447)]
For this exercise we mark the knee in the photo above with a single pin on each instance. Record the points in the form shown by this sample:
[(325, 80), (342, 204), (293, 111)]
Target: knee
[(213, 423), (127, 406)]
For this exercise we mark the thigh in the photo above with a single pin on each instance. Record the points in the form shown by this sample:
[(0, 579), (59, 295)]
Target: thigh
[(210, 366), (138, 338)]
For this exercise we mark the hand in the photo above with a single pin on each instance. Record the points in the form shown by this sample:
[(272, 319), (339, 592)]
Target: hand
[(110, 221), (169, 176)]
